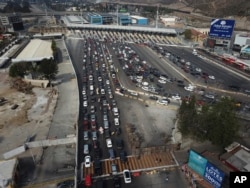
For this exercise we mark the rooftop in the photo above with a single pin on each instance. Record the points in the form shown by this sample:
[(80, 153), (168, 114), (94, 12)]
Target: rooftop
[(6, 170), (36, 50), (138, 17)]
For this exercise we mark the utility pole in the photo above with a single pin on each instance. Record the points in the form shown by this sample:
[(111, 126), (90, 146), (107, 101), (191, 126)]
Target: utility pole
[(157, 14)]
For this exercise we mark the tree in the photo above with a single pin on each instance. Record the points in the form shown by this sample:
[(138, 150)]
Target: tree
[(49, 69), (188, 34), (217, 123), (19, 69)]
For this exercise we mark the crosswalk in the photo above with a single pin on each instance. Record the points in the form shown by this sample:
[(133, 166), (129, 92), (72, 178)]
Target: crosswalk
[(164, 160)]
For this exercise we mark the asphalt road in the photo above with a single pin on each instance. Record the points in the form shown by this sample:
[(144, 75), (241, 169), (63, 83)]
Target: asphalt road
[(223, 76)]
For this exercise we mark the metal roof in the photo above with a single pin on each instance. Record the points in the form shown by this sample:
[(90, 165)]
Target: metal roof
[(36, 50), (6, 170)]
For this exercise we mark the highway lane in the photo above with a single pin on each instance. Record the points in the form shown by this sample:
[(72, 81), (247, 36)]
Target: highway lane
[(153, 59), (224, 76)]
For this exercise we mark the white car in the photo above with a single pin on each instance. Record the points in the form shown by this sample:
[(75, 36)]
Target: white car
[(87, 161), (109, 143), (85, 103), (99, 79), (162, 81), (84, 91), (198, 69), (162, 102), (107, 82), (211, 77), (176, 97), (127, 176), (102, 91), (115, 111), (116, 120), (134, 93)]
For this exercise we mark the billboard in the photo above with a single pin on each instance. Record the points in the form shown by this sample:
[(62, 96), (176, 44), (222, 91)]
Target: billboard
[(220, 28), (197, 162), (213, 175)]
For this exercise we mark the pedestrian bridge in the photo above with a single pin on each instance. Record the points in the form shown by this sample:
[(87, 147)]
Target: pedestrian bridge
[(40, 143)]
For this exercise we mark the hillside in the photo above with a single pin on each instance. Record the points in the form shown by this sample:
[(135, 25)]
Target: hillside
[(213, 8)]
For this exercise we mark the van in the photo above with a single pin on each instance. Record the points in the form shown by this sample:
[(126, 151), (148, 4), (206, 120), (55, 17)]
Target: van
[(86, 149)]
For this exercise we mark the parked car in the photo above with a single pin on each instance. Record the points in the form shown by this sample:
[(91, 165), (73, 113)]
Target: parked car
[(86, 149), (123, 156), (127, 176), (114, 169), (119, 144)]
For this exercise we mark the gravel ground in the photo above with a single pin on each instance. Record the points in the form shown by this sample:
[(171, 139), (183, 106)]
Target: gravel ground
[(154, 122)]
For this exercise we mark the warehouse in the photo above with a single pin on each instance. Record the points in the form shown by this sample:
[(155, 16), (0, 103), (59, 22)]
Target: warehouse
[(139, 20)]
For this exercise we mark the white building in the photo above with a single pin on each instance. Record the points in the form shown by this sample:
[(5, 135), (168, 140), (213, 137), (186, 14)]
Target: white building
[(242, 39)]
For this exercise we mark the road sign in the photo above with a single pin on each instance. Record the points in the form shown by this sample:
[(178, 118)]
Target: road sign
[(220, 28)]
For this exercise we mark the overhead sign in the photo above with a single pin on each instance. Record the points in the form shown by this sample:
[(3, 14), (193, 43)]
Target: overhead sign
[(220, 28), (197, 162), (213, 175)]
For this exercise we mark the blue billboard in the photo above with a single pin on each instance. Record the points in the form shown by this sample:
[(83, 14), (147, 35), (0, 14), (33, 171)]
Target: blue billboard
[(213, 175), (197, 162), (220, 28)]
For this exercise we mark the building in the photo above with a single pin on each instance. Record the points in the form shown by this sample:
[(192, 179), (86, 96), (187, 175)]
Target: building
[(74, 20), (94, 18), (237, 157), (8, 173), (11, 23), (107, 18), (139, 20), (35, 51), (124, 19), (242, 39), (169, 20)]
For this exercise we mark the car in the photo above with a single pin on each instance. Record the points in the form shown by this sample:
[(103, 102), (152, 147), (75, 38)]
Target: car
[(85, 104), (102, 91), (92, 117), (86, 149), (211, 77), (123, 156), (198, 69), (114, 169), (127, 176), (152, 97), (84, 91), (209, 96), (87, 161), (176, 97), (115, 111), (98, 167), (94, 135), (106, 133), (92, 109), (134, 93), (117, 182), (118, 131), (107, 82), (67, 183), (116, 120), (109, 142), (99, 78), (119, 144), (111, 153), (162, 81), (162, 102), (105, 117), (85, 135), (106, 124)]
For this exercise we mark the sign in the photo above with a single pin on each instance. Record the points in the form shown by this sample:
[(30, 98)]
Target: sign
[(213, 175), (220, 28), (197, 162)]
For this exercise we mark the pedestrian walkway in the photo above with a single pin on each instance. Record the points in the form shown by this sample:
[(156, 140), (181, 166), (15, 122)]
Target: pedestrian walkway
[(164, 160)]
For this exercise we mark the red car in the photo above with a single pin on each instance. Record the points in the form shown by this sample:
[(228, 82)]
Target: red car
[(88, 180)]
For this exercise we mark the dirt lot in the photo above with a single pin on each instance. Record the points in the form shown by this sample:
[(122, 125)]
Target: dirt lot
[(31, 118)]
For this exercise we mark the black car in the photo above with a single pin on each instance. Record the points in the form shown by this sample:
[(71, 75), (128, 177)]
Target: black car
[(98, 167), (117, 182), (153, 97), (118, 131), (123, 156), (119, 143), (66, 184)]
